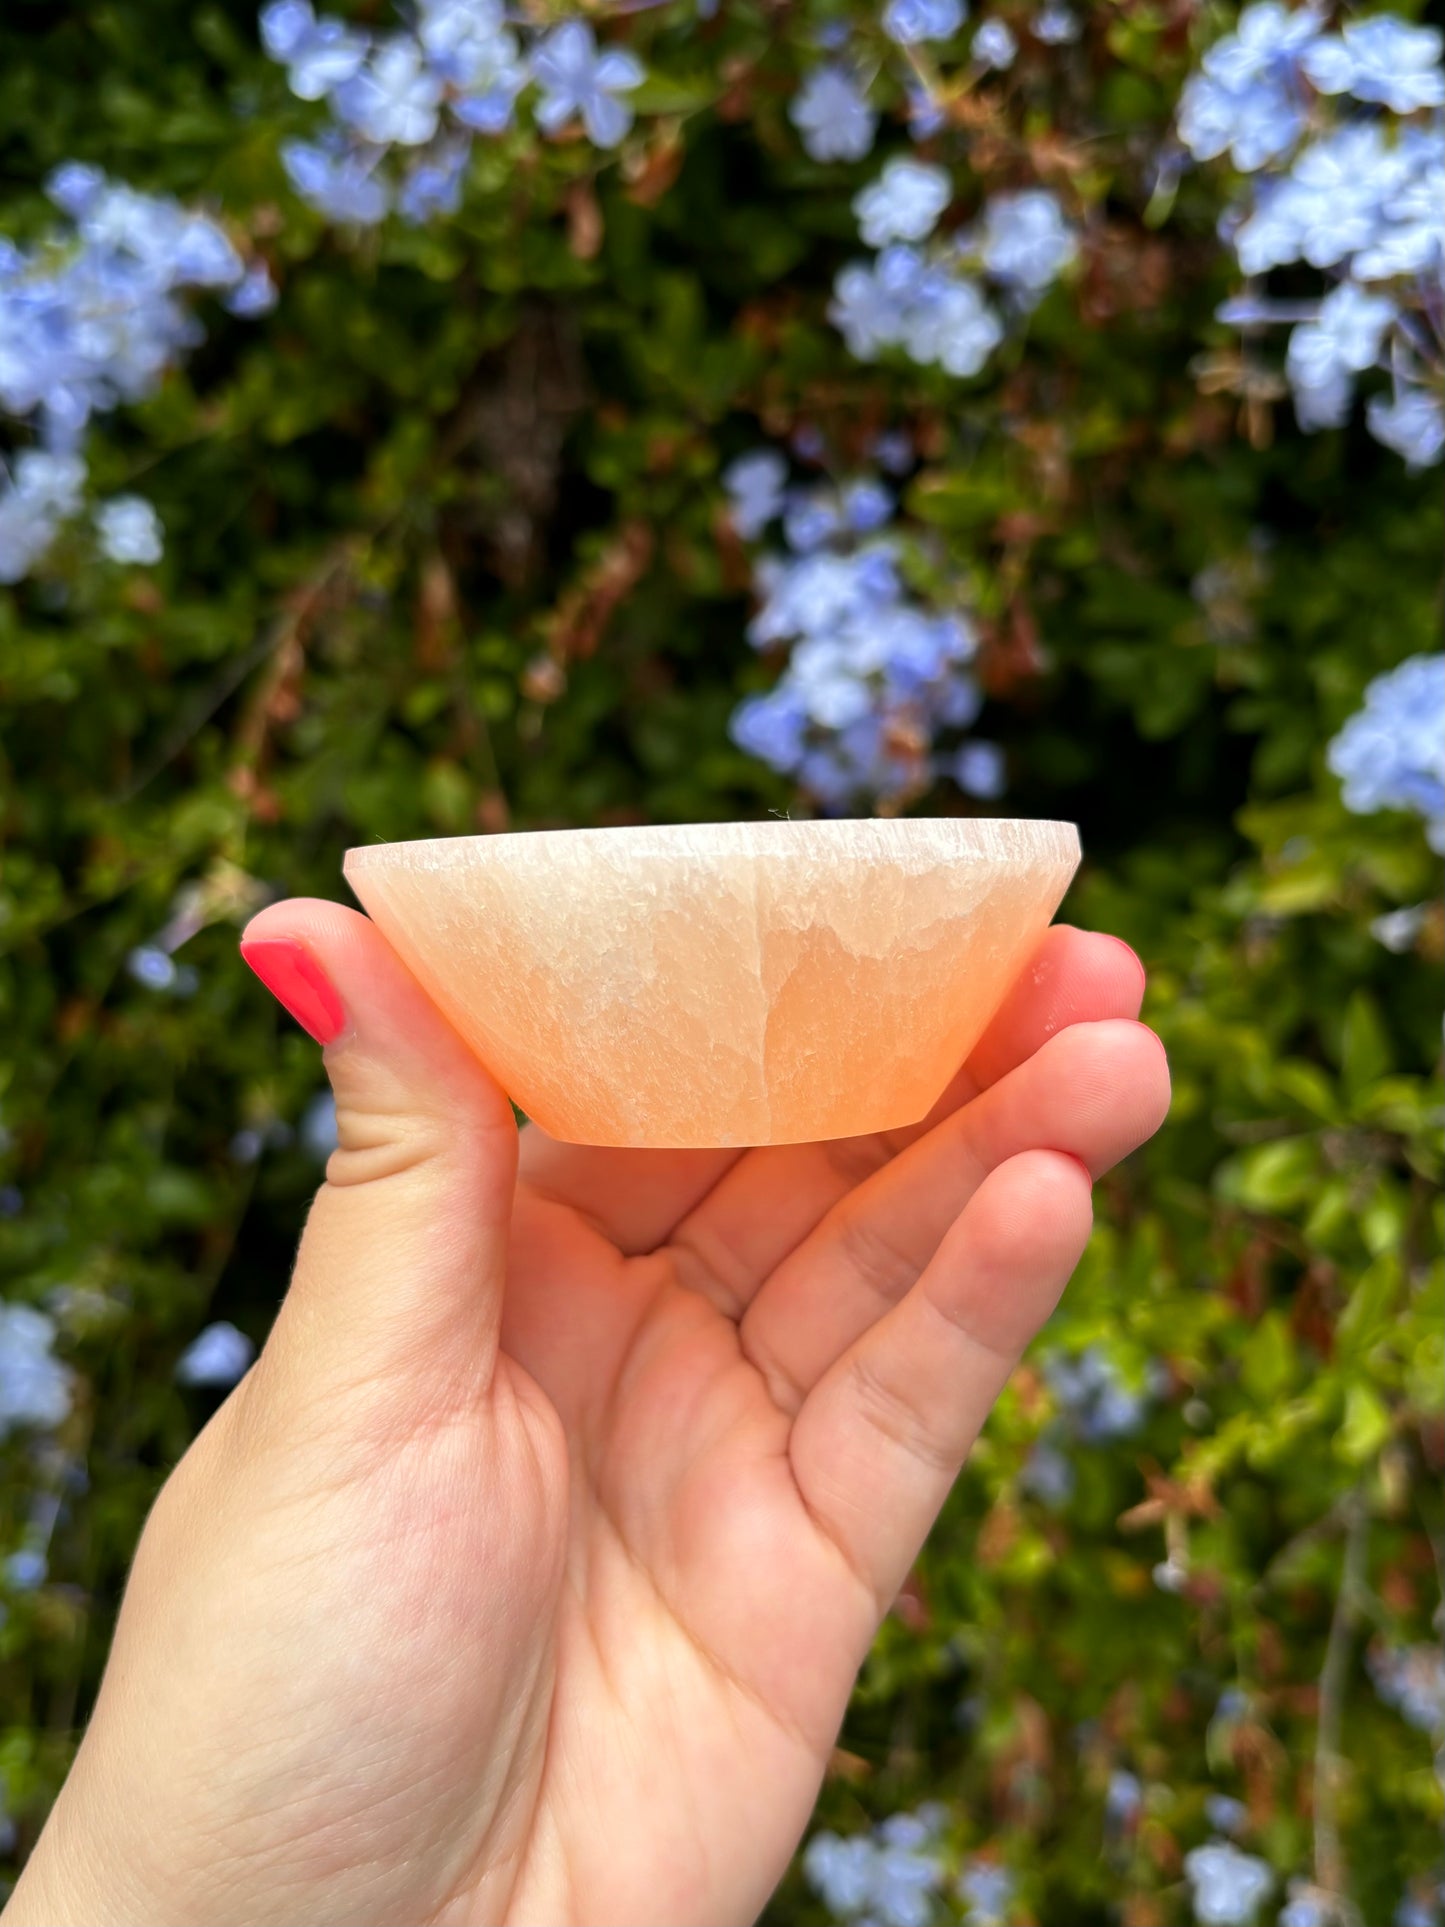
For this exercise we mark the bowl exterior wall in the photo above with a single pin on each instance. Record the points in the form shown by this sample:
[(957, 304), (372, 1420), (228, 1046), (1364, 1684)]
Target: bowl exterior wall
[(736, 985)]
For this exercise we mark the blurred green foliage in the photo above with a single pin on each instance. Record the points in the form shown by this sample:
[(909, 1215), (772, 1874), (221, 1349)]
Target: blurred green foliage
[(446, 553)]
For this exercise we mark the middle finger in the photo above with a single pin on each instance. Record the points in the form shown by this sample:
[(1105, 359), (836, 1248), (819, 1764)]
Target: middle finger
[(769, 1201)]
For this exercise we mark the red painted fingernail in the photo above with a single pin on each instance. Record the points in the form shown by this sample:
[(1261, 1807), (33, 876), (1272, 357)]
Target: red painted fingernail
[(296, 980)]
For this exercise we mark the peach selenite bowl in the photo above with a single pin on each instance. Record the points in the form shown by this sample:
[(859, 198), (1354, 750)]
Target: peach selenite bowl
[(724, 984)]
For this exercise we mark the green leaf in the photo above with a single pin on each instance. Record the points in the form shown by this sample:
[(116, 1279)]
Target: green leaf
[(1366, 1427), (1364, 1046), (1272, 1177)]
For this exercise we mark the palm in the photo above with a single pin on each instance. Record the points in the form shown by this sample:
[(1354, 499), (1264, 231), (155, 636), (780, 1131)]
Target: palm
[(760, 1428), (679, 1557)]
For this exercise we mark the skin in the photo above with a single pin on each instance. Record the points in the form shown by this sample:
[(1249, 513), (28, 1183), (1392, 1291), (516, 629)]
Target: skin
[(526, 1575)]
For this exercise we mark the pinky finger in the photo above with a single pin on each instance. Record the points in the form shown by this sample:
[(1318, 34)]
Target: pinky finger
[(882, 1435)]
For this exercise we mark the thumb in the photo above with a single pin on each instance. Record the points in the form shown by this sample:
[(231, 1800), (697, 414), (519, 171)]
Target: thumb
[(400, 1273)]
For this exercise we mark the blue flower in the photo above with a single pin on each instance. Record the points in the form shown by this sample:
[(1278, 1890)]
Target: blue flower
[(319, 55), (492, 101), (811, 518), (219, 1356), (394, 99), (1269, 40), (1097, 1404), (755, 485), (129, 530), (1325, 354), (73, 187), (954, 327), (824, 678), (979, 769), (1124, 1798), (148, 964), (994, 45), (926, 115), (888, 1875), (1410, 240), (577, 81), (1412, 422), (1228, 1886), (254, 294), (910, 22), (337, 183), (26, 1569), (866, 506), (1398, 930), (819, 594), (866, 311), (893, 452), (772, 728), (1026, 242), (1055, 25), (1391, 754), (434, 186), (903, 204), (1329, 205), (1048, 1474), (1306, 1907), (1414, 1910), (987, 1890), (285, 27), (958, 702), (1380, 59), (1248, 100), (841, 1871), (35, 1389), (43, 492), (920, 648), (1226, 1815), (469, 45), (317, 1130), (1252, 127), (832, 115)]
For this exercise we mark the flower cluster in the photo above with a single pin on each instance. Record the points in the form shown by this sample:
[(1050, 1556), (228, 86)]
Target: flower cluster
[(1095, 1406), (1344, 135), (1226, 1886), (34, 1386), (949, 305), (945, 304), (1412, 1680), (986, 1890), (889, 1876), (423, 92), (90, 319), (873, 675), (832, 110), (1391, 754)]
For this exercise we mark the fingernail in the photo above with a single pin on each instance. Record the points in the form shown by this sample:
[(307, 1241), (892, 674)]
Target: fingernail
[(1133, 957), (297, 981)]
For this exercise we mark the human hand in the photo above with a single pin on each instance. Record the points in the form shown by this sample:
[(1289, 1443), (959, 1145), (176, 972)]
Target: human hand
[(526, 1575)]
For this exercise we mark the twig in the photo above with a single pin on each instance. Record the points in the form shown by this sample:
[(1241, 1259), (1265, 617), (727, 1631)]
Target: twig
[(269, 643), (1331, 1875), (200, 713)]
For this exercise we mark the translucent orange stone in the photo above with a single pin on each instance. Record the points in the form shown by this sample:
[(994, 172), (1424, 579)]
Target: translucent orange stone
[(729, 983)]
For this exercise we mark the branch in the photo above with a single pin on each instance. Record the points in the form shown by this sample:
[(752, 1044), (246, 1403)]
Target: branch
[(1331, 1875)]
